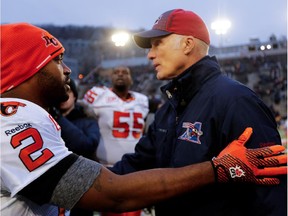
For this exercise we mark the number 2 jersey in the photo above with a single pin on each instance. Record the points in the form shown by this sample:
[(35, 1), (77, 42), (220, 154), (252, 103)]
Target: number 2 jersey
[(31, 145), (121, 122)]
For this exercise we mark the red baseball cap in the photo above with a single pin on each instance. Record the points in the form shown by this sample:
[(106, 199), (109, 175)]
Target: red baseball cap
[(175, 21), (25, 49)]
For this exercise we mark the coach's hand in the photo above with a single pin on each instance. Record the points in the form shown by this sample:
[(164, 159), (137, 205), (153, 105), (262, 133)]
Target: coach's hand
[(239, 164)]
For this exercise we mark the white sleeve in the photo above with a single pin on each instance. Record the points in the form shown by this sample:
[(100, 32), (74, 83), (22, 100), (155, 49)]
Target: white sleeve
[(93, 94)]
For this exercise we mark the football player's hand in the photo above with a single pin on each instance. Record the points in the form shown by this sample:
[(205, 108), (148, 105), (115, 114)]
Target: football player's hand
[(259, 166)]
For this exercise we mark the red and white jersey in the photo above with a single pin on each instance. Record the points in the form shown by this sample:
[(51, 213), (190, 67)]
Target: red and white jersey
[(121, 122), (30, 145)]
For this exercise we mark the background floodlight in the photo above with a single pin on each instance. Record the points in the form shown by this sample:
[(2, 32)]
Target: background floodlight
[(120, 38), (221, 26)]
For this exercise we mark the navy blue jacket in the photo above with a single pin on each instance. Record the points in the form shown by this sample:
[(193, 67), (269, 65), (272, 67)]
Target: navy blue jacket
[(204, 112), (80, 132)]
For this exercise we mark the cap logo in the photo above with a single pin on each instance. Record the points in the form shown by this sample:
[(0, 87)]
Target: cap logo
[(157, 21), (50, 41), (161, 22)]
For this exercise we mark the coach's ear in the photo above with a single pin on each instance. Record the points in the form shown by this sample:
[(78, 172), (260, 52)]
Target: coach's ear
[(189, 44)]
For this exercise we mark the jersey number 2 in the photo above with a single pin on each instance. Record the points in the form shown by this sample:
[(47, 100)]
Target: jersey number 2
[(26, 152)]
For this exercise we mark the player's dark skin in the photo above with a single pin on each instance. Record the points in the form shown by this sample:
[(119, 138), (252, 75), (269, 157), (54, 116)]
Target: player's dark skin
[(121, 81)]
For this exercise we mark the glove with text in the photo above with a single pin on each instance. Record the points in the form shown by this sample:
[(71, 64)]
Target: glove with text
[(259, 166)]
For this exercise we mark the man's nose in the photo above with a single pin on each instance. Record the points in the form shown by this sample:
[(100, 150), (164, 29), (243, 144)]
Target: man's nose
[(66, 68)]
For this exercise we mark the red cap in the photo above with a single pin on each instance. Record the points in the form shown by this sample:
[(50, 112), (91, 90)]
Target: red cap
[(176, 21), (25, 49)]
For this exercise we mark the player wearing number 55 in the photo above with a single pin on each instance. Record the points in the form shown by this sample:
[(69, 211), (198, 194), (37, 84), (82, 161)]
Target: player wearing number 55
[(121, 114)]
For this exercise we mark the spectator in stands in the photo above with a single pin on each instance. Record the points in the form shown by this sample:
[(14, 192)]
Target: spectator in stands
[(205, 111), (121, 116), (79, 131)]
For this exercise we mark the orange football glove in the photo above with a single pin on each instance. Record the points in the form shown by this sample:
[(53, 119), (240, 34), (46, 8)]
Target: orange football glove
[(239, 164)]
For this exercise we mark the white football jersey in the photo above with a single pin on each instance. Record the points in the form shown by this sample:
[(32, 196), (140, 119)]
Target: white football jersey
[(29, 147), (121, 122)]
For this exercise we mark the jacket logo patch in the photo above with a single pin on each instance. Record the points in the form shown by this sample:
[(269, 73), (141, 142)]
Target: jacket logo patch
[(192, 133)]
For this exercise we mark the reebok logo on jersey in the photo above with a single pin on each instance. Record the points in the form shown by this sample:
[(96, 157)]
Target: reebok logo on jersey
[(192, 133), (17, 129)]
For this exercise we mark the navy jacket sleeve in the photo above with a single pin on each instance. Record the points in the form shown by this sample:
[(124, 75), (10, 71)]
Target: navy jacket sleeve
[(81, 135), (249, 111), (143, 157)]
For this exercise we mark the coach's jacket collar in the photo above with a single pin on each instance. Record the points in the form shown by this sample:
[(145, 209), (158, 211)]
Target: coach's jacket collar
[(181, 89)]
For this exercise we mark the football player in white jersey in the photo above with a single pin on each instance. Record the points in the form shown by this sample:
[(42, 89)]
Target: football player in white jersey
[(121, 114), (39, 176)]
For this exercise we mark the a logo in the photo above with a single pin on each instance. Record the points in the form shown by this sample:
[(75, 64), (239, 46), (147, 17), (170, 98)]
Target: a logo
[(236, 172), (111, 99), (50, 40), (18, 128), (158, 19), (10, 108), (192, 133)]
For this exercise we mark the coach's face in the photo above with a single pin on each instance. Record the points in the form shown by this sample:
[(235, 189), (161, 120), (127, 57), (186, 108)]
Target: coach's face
[(168, 56), (53, 81)]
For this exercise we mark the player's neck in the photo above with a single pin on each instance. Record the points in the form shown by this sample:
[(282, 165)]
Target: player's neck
[(124, 95)]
